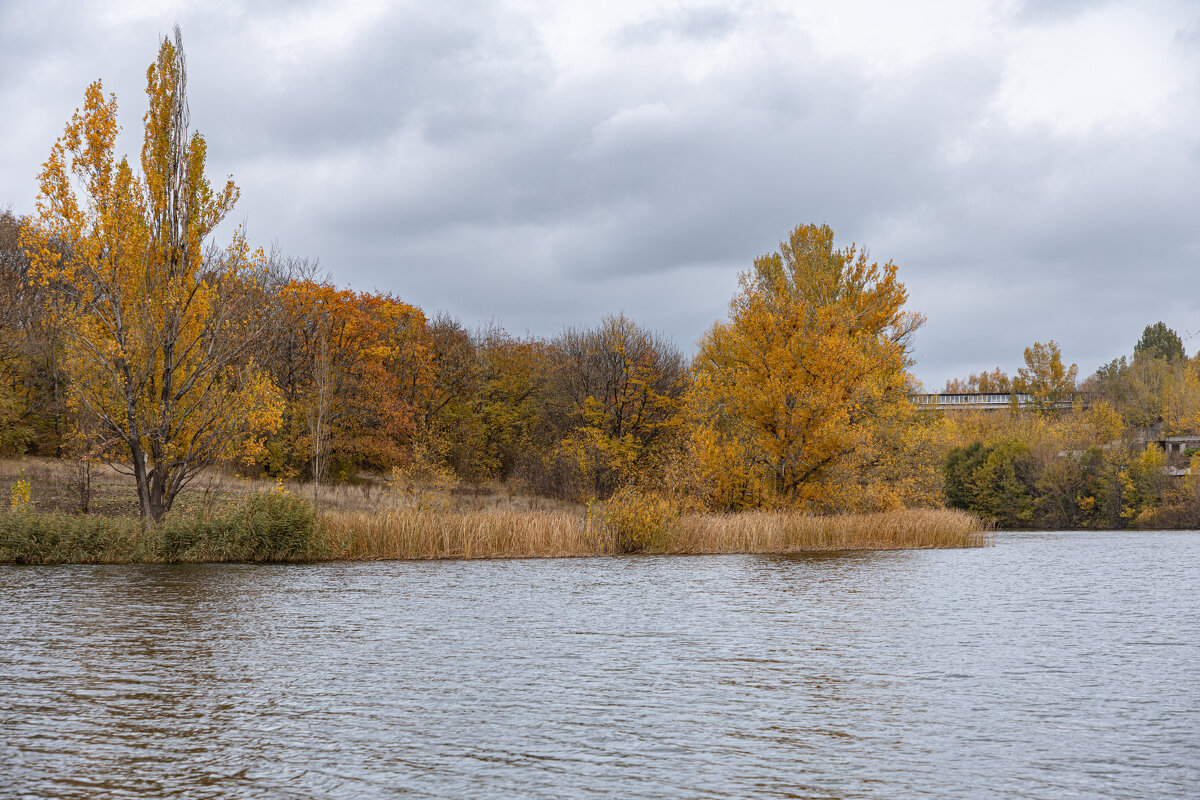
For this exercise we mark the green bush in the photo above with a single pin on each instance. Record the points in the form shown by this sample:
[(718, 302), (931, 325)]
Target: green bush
[(269, 526), (31, 538), (272, 526), (958, 474), (1004, 485)]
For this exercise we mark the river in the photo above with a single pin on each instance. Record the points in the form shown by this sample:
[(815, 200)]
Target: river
[(1053, 665)]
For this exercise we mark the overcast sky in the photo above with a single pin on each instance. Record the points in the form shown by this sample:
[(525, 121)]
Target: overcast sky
[(1032, 167)]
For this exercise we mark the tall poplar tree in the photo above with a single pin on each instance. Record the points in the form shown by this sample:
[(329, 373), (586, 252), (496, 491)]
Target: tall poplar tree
[(157, 336)]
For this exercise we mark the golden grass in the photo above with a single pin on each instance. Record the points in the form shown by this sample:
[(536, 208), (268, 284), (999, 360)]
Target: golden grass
[(781, 532), (411, 533)]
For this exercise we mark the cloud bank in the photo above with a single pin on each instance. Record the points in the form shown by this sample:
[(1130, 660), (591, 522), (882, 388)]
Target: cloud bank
[(1034, 168)]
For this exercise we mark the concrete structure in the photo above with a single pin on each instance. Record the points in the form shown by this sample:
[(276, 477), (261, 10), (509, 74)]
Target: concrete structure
[(1177, 447), (988, 401)]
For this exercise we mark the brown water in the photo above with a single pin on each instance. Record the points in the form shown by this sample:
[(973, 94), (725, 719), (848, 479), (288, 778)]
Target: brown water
[(1050, 666)]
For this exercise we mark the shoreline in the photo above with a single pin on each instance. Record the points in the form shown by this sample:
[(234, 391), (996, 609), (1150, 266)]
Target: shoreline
[(284, 529)]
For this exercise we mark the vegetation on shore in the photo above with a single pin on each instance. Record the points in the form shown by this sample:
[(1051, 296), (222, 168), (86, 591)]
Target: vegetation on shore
[(130, 341), (1119, 457), (278, 527), (232, 519), (263, 527), (418, 534)]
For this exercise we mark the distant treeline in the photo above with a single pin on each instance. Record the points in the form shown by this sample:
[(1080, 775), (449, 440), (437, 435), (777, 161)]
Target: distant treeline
[(1123, 461), (320, 383)]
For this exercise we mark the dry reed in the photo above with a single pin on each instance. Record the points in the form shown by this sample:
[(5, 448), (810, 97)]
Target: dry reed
[(781, 532), (411, 533)]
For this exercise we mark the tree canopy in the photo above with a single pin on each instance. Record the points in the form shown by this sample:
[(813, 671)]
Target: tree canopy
[(810, 364), (1159, 341)]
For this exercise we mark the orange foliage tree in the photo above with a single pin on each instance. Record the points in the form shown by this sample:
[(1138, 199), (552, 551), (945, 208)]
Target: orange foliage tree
[(347, 364), (810, 364)]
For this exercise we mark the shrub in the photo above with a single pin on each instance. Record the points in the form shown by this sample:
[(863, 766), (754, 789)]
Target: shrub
[(959, 472), (1003, 485), (268, 526), (639, 519), (55, 538)]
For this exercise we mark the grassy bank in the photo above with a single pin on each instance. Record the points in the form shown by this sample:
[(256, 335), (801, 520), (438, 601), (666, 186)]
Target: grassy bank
[(235, 519), (285, 528), (261, 527)]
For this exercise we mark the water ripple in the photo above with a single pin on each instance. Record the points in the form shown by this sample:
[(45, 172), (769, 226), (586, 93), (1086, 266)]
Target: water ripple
[(1049, 666)]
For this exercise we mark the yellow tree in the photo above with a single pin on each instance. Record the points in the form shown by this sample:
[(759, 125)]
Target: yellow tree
[(1046, 378), (157, 340), (810, 363)]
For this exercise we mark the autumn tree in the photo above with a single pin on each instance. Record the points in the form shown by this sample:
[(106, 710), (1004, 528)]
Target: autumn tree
[(317, 353), (1045, 377), (986, 382), (1159, 341), (497, 418), (31, 369), (515, 376), (811, 362), (1158, 386), (16, 433), (441, 383), (347, 363), (620, 392), (156, 342)]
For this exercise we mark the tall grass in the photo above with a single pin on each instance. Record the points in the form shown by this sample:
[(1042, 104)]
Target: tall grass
[(58, 538), (779, 532), (411, 533), (425, 534), (280, 527), (263, 527)]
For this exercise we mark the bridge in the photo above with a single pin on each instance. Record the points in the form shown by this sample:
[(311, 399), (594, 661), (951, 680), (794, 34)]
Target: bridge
[(986, 401)]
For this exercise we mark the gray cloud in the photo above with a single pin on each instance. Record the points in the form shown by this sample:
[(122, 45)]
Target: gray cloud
[(1038, 11), (703, 24), (450, 156)]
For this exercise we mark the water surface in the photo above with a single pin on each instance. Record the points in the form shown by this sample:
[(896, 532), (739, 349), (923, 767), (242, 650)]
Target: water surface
[(1049, 666)]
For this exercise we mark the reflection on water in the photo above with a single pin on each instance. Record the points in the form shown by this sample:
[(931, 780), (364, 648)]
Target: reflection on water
[(1052, 665)]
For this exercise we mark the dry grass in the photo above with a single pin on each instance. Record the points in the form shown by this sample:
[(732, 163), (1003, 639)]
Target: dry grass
[(413, 519), (56, 487), (778, 532), (412, 533), (426, 534)]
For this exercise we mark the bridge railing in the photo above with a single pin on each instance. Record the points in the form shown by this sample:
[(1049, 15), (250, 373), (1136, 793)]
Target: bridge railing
[(985, 400)]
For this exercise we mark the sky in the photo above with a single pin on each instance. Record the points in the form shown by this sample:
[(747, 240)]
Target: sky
[(1033, 168)]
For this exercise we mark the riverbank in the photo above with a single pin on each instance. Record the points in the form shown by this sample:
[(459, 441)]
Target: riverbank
[(280, 527)]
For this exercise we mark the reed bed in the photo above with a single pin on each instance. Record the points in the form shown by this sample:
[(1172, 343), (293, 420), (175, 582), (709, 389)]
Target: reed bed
[(277, 526), (410, 533), (781, 532), (413, 533), (261, 527)]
